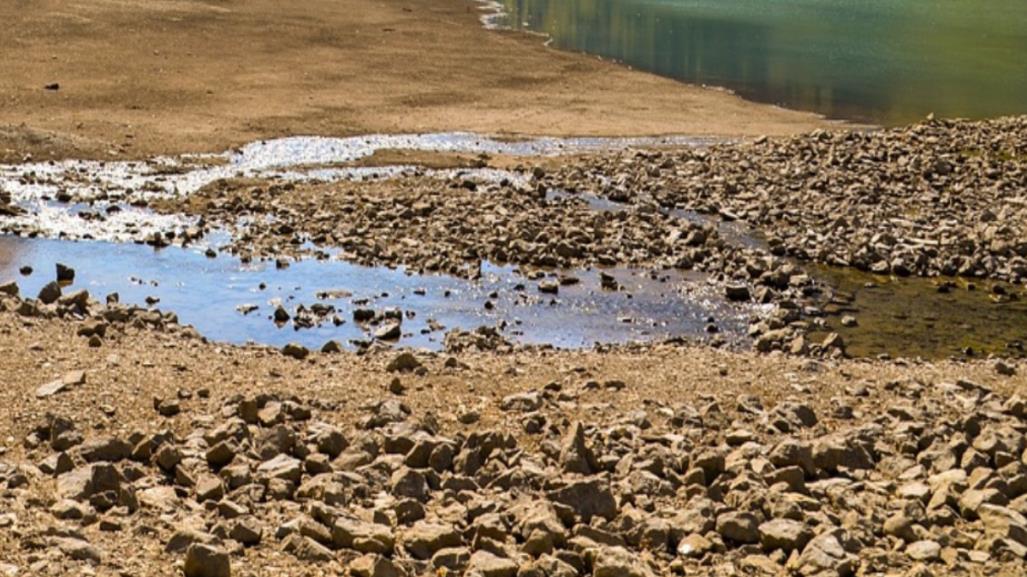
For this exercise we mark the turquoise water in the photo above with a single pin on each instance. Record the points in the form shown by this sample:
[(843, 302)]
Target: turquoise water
[(880, 61)]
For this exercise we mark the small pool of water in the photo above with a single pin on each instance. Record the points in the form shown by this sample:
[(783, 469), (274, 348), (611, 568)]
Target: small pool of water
[(929, 318), (208, 293)]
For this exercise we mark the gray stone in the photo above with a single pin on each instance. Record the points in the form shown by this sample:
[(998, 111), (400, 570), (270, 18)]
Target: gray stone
[(588, 498), (49, 293)]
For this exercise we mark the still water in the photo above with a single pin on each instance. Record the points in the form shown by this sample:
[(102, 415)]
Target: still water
[(229, 301), (879, 61)]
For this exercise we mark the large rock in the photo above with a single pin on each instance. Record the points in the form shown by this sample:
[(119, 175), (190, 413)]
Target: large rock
[(619, 562), (825, 556), (77, 549), (206, 561), (70, 379), (575, 455), (925, 550), (50, 293), (738, 526), (186, 537), (1003, 523), (65, 274), (784, 534), (296, 351), (362, 536), (488, 564), (407, 482), (403, 362), (588, 498), (283, 467), (841, 450), (306, 549), (424, 539), (110, 449), (694, 545), (9, 288), (86, 481)]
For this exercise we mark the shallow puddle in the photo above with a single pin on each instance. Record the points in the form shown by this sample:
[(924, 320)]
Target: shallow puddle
[(929, 318), (208, 293)]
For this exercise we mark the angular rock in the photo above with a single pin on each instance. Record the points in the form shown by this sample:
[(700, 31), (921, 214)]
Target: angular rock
[(424, 539), (619, 562), (206, 561), (588, 498), (487, 564), (784, 534), (825, 556), (362, 536), (738, 526)]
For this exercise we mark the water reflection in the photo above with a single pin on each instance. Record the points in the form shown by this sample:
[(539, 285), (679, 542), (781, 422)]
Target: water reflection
[(882, 61), (210, 293)]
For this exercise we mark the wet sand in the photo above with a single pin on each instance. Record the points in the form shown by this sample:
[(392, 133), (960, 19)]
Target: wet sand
[(141, 78)]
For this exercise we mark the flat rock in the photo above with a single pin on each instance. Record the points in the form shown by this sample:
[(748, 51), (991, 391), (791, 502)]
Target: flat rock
[(784, 534), (487, 564), (424, 539)]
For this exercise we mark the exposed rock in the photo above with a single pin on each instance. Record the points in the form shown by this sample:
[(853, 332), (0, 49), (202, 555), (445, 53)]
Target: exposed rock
[(784, 534), (206, 561), (403, 362), (740, 527)]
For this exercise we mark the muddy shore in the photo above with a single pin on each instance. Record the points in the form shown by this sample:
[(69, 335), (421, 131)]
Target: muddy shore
[(137, 79)]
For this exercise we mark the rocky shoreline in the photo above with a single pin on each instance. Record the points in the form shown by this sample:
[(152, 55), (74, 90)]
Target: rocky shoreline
[(944, 197), (564, 464), (757, 218)]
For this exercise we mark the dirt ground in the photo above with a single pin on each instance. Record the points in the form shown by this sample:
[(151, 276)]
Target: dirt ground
[(138, 78), (133, 368), (124, 376)]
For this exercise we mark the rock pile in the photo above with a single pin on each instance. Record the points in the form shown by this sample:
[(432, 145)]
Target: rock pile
[(432, 225), (900, 478), (96, 321), (936, 198)]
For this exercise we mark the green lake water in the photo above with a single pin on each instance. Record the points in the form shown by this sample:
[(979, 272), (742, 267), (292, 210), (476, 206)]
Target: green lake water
[(881, 61)]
